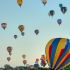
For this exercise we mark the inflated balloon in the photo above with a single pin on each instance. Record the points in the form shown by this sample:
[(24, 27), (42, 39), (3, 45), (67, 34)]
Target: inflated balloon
[(9, 49), (63, 10), (36, 31), (44, 2), (8, 59), (58, 53), (24, 62), (59, 21), (60, 5), (20, 2), (21, 28), (51, 13), (23, 56), (15, 36), (22, 33), (4, 25)]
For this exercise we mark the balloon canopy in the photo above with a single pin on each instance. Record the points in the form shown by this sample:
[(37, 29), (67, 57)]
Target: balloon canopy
[(51, 13), (44, 2), (36, 31), (9, 49), (21, 28), (15, 36), (63, 10), (4, 25), (20, 2), (58, 53), (59, 21), (8, 59)]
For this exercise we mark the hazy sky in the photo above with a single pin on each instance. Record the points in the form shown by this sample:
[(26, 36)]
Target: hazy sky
[(33, 15)]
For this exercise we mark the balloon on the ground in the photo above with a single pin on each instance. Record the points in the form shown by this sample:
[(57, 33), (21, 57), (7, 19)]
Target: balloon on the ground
[(58, 53)]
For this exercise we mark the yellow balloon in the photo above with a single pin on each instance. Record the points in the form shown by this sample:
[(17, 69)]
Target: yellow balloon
[(20, 2)]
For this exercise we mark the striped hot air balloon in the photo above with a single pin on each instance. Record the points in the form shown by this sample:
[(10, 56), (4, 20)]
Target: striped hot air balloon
[(58, 53)]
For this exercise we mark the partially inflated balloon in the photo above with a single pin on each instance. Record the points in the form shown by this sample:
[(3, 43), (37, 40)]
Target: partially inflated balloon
[(4, 25), (20, 2), (58, 53)]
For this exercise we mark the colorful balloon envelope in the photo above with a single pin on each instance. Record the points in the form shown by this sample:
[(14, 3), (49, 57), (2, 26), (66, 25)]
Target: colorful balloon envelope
[(20, 2), (58, 53), (21, 28), (4, 25)]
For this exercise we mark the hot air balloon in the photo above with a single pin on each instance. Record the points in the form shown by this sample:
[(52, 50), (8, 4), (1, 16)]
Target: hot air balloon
[(44, 2), (24, 62), (9, 49), (21, 28), (23, 56), (4, 25), (59, 21), (22, 33), (8, 59), (58, 53), (20, 2), (36, 31), (51, 13), (60, 5), (63, 10), (15, 36)]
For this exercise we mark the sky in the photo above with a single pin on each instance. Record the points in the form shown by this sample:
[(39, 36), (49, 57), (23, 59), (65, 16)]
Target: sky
[(33, 15)]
